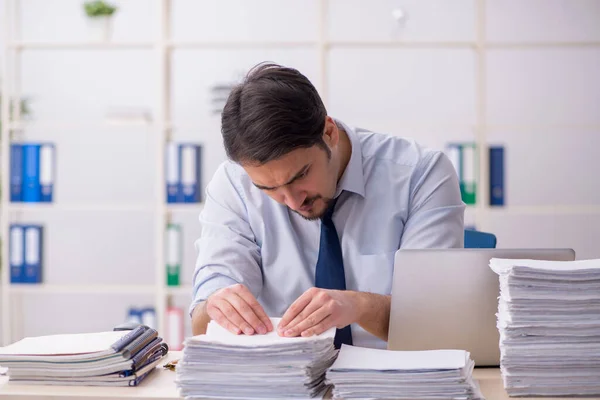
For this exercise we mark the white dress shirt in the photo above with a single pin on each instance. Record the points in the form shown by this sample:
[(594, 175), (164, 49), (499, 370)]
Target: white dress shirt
[(394, 194)]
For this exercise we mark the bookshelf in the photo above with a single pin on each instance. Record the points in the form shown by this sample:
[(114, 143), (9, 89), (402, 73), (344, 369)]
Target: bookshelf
[(164, 124)]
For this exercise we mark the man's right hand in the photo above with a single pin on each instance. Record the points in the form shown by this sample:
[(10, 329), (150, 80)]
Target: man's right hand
[(236, 309)]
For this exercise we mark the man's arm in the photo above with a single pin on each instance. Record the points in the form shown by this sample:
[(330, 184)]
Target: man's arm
[(320, 309), (436, 212), (436, 220), (227, 278)]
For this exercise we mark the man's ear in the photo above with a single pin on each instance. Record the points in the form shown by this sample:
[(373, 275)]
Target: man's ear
[(331, 134)]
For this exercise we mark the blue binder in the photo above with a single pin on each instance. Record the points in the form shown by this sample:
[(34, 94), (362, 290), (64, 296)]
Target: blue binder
[(16, 172), (172, 172), (31, 172), (46, 171), (32, 272), (190, 159), (497, 176), (134, 315), (16, 253)]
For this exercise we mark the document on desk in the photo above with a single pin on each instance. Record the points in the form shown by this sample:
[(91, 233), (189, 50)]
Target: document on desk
[(375, 373), (220, 364), (112, 358), (549, 324)]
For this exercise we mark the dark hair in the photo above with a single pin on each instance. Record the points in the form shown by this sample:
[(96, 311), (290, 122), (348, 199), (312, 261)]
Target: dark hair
[(273, 111)]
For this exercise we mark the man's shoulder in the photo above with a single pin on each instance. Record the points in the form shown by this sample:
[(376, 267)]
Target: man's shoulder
[(231, 174), (394, 150)]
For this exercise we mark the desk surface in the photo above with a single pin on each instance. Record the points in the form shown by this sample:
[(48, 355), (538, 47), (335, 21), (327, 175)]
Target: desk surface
[(160, 385)]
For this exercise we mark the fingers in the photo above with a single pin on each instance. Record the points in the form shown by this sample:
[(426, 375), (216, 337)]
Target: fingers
[(319, 328), (296, 307), (254, 324), (303, 315), (247, 296), (233, 315), (311, 322), (220, 318), (236, 309)]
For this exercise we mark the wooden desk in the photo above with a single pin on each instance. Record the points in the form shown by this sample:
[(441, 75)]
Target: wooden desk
[(160, 386)]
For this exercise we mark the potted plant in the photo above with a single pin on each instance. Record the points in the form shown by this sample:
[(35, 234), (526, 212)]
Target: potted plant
[(99, 15)]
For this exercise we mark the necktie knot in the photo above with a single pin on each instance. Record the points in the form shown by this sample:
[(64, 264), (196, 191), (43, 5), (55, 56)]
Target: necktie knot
[(329, 212)]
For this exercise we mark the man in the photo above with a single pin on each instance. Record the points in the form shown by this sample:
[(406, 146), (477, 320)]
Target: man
[(304, 219)]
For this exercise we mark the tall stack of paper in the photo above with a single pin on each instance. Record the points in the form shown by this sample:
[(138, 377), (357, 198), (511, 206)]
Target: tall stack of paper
[(383, 374), (220, 364), (549, 324), (114, 358)]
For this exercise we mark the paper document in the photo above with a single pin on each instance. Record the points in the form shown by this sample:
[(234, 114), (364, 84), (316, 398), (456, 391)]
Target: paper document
[(378, 359), (374, 373), (69, 344), (220, 364), (549, 324)]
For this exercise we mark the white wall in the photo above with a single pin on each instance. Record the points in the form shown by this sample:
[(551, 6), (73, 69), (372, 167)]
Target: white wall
[(540, 101)]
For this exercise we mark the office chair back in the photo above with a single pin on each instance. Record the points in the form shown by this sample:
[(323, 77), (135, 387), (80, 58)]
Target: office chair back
[(479, 240)]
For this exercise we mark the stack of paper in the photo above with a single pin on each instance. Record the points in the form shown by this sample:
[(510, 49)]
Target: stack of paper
[(384, 374), (220, 364), (549, 324), (115, 358)]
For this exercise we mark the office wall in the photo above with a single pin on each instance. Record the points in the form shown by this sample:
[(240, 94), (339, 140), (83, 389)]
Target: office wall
[(539, 100)]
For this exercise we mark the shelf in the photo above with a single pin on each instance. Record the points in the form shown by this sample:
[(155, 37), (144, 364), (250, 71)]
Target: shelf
[(544, 210), (38, 207), (82, 45), (60, 126), (184, 207), (398, 44), (49, 288), (241, 45), (183, 290)]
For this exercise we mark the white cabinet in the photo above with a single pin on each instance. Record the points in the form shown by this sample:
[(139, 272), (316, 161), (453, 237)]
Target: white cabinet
[(543, 87), (101, 312), (550, 167), (102, 166), (395, 87), (81, 86), (65, 21), (518, 21), (244, 21), (401, 20), (577, 231), (96, 248)]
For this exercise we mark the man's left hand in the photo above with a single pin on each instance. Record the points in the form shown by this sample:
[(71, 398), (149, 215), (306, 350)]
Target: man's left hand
[(318, 310)]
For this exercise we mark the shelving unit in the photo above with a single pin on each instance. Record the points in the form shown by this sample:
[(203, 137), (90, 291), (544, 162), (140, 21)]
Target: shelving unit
[(163, 125)]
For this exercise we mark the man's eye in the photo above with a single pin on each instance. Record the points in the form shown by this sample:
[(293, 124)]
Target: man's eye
[(302, 175)]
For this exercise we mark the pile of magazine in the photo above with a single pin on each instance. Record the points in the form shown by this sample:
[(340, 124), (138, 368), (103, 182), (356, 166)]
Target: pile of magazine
[(113, 358)]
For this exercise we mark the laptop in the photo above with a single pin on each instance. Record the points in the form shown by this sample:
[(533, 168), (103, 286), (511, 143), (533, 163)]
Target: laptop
[(448, 299)]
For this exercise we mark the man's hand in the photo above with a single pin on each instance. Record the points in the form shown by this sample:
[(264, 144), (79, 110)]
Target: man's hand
[(237, 310), (317, 310)]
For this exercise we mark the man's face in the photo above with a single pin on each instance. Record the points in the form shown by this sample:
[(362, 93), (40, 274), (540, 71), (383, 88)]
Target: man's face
[(305, 180)]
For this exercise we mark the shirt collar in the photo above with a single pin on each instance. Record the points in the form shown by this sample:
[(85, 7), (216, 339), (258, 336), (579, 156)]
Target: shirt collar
[(353, 179)]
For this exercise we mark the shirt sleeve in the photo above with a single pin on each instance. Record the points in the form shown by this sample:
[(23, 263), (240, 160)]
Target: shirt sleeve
[(227, 250), (436, 212)]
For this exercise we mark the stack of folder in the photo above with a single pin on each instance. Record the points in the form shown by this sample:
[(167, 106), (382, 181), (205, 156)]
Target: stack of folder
[(549, 324), (114, 358), (383, 374), (220, 364)]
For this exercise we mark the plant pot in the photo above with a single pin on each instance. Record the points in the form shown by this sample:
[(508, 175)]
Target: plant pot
[(99, 28)]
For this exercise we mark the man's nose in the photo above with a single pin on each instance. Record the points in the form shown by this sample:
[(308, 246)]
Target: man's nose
[(293, 199)]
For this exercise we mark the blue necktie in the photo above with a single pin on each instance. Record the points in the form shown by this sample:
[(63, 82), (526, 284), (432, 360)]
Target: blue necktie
[(329, 273)]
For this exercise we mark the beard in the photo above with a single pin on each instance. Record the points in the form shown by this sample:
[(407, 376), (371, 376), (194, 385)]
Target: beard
[(328, 202)]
